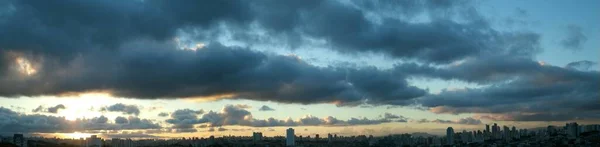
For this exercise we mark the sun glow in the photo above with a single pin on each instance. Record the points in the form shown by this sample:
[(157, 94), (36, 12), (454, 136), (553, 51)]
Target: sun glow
[(76, 135), (84, 105), (25, 67)]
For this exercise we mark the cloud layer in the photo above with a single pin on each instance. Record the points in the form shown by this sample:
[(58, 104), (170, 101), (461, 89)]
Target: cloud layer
[(232, 115), (11, 121), (156, 49)]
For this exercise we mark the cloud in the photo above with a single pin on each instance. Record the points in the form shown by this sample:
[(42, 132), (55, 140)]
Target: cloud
[(184, 118), (533, 88), (11, 121), (232, 115), (574, 38), (67, 48), (398, 118), (48, 54), (53, 109), (463, 121), (121, 120), (249, 75), (163, 114), (266, 108), (243, 106), (125, 109), (581, 65)]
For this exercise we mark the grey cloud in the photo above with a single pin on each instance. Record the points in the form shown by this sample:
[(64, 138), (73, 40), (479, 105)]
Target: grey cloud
[(184, 118), (11, 121), (533, 87), (249, 75), (56, 108), (397, 118), (121, 120), (463, 121), (232, 115), (574, 38), (53, 109), (266, 108), (581, 65), (163, 114), (125, 109), (152, 68)]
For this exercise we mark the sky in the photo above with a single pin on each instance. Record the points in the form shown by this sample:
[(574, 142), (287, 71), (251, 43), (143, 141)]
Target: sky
[(161, 69)]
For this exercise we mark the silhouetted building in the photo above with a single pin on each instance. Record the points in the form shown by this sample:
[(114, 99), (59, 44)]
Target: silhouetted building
[(572, 130), (257, 136), (450, 136), (94, 141), (290, 137), (19, 140)]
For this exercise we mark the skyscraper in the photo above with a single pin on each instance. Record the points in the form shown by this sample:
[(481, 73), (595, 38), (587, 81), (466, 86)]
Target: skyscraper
[(18, 139), (290, 137), (572, 130), (495, 130), (506, 133), (450, 136), (256, 136), (487, 128)]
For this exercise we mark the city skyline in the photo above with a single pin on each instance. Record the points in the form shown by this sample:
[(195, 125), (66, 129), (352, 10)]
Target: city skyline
[(173, 69), (570, 134)]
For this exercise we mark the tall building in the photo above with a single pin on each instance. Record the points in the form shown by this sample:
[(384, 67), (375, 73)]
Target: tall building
[(94, 141), (506, 133), (514, 133), (290, 137), (487, 128), (572, 130), (495, 131), (257, 136), (19, 140), (449, 136)]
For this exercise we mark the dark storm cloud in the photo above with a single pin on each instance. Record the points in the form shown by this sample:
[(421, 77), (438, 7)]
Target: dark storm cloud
[(126, 48), (463, 121), (534, 88), (266, 108), (11, 121), (53, 109), (67, 28), (123, 108), (232, 115), (574, 38), (157, 71)]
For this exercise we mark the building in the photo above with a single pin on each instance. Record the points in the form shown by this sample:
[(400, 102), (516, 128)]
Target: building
[(19, 140), (94, 141), (290, 137), (257, 136), (449, 136), (487, 128), (572, 130), (506, 133), (495, 131)]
